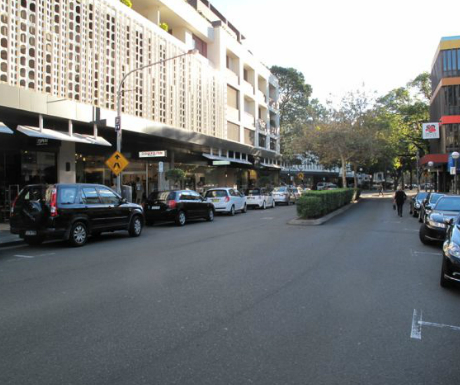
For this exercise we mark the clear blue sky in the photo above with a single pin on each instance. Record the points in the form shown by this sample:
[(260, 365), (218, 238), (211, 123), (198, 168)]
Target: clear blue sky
[(339, 45)]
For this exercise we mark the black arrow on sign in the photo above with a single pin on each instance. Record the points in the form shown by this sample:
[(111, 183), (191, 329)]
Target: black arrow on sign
[(116, 165), (117, 157)]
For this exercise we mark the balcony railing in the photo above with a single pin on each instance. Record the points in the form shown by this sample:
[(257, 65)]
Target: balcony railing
[(261, 97), (248, 120), (233, 114), (273, 104), (248, 88), (232, 77), (262, 126)]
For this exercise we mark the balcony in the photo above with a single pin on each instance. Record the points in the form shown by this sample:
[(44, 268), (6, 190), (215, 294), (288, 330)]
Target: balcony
[(273, 104), (233, 114), (248, 120), (231, 77), (261, 98), (247, 88), (262, 126)]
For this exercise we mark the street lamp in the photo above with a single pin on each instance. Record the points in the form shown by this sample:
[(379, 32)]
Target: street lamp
[(119, 92), (455, 156), (430, 165)]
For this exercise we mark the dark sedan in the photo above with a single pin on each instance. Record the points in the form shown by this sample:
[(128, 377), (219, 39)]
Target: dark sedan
[(177, 206), (434, 228), (416, 203), (427, 204), (450, 269)]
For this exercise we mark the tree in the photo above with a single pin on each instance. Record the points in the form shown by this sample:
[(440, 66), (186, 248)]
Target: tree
[(294, 103)]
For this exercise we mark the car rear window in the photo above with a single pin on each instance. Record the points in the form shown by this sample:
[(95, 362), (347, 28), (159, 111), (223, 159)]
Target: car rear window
[(254, 192), (216, 194), (448, 204), (280, 189), (31, 193), (162, 196), (67, 195)]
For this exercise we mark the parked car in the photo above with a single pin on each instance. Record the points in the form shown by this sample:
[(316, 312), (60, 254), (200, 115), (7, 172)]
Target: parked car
[(177, 206), (226, 200), (331, 186), (416, 203), (427, 204), (297, 192), (72, 212), (260, 198), (284, 195), (326, 186), (450, 268), (434, 228)]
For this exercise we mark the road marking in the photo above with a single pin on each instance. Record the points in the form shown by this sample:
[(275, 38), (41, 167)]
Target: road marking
[(44, 255), (417, 323), (268, 218), (415, 253), (24, 256), (412, 230)]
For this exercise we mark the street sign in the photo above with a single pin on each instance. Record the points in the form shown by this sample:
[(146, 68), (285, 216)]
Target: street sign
[(220, 163), (117, 123), (430, 130), (452, 170), (160, 167), (117, 163), (152, 154), (300, 175)]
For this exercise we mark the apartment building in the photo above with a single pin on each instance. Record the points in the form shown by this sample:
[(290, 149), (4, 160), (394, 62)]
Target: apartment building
[(445, 110), (214, 114)]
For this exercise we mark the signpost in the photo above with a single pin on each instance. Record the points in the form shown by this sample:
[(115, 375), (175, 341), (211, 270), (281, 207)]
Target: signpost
[(160, 167), (117, 163)]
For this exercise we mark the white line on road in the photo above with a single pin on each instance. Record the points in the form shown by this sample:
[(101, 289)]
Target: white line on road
[(417, 323), (414, 230), (416, 253), (44, 255), (24, 256), (268, 218)]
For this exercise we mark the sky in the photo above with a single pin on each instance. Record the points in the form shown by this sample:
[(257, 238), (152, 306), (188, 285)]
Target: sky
[(345, 45)]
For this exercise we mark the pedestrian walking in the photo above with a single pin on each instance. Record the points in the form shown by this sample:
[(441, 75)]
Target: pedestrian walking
[(400, 198), (381, 189)]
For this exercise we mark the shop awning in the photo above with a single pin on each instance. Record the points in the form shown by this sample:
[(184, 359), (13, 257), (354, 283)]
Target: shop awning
[(223, 158), (267, 165), (435, 158), (4, 129), (46, 133)]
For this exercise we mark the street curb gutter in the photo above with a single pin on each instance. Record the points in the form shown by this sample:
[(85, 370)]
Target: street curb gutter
[(320, 221)]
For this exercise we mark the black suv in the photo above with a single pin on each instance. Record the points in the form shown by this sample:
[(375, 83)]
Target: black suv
[(72, 212), (177, 206)]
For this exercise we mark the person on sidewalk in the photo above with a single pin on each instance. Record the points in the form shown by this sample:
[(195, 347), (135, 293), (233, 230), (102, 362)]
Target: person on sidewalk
[(381, 189), (400, 198)]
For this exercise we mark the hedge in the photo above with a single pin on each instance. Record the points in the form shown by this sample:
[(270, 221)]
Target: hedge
[(315, 204)]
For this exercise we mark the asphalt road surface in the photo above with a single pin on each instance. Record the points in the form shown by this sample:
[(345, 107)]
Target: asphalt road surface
[(243, 300)]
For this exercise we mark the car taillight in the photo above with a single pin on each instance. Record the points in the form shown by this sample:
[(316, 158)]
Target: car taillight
[(14, 204), (172, 204), (227, 199), (53, 206)]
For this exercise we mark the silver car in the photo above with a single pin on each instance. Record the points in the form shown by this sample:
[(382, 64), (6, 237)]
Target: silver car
[(284, 195)]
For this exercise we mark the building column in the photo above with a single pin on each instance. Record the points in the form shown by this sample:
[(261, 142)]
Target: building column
[(66, 163)]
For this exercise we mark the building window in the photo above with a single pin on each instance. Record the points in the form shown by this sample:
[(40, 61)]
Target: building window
[(273, 144), (201, 46), (262, 141), (233, 132), (232, 97), (248, 137)]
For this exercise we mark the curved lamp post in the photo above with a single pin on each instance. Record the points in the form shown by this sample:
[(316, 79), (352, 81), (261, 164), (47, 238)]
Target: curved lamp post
[(455, 156), (430, 165), (120, 91)]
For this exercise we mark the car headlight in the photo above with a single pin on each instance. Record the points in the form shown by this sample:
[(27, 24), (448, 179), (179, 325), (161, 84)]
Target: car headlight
[(453, 250), (436, 224), (417, 205)]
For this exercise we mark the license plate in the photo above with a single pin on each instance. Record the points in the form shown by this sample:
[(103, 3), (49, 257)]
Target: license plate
[(215, 200), (154, 207), (31, 232)]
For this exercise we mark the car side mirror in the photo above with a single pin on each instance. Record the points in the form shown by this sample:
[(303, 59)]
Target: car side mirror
[(123, 201), (428, 207)]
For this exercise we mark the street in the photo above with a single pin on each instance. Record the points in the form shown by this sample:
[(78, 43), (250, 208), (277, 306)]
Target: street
[(242, 300)]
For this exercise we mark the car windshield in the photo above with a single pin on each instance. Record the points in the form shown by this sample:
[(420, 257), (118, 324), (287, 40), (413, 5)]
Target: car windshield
[(161, 196), (421, 195), (435, 197), (280, 189), (216, 194), (448, 204)]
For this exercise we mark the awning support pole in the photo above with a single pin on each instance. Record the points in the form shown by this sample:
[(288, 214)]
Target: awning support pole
[(40, 122)]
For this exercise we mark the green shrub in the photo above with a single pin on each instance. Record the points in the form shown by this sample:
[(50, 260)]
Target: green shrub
[(324, 202)]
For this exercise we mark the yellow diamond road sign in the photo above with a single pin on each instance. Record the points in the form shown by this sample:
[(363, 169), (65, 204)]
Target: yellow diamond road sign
[(117, 162)]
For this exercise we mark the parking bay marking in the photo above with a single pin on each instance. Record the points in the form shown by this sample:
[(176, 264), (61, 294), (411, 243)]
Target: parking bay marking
[(415, 253), (417, 323), (32, 256)]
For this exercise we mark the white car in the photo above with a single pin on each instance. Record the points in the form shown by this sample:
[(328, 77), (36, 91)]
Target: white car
[(226, 200), (284, 195), (260, 198)]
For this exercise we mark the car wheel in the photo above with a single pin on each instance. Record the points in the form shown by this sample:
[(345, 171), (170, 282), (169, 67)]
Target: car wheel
[(245, 209), (415, 214), (232, 211), (33, 241), (420, 217), (181, 218), (273, 204), (264, 206), (78, 234), (444, 282), (422, 235), (135, 227), (210, 216)]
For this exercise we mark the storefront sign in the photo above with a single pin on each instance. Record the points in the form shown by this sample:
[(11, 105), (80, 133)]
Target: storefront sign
[(152, 154), (42, 142), (220, 163), (430, 130), (160, 167)]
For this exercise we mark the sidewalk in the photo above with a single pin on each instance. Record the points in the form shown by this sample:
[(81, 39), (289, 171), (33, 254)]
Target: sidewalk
[(6, 238)]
